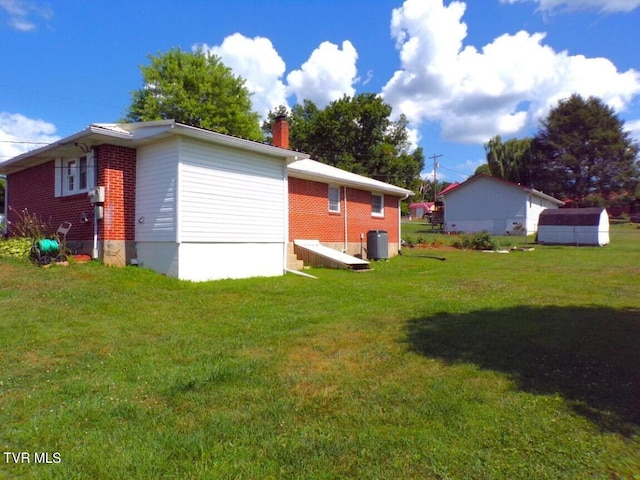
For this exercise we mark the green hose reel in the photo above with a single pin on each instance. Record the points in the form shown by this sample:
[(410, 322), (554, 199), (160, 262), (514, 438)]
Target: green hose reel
[(48, 246)]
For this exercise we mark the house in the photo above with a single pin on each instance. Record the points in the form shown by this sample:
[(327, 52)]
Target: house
[(574, 226), (177, 199), (420, 209), (183, 201), (489, 204), (339, 208)]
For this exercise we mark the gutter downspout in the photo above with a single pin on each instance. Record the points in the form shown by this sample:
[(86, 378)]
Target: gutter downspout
[(400, 221), (94, 253), (346, 223), (285, 213)]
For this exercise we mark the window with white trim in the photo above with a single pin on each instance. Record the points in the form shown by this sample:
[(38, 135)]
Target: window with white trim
[(74, 175), (334, 198), (377, 205)]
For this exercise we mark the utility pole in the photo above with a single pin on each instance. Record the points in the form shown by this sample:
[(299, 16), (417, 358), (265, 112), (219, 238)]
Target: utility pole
[(435, 184)]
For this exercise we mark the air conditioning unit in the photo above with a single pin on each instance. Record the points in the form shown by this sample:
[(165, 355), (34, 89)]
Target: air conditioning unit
[(96, 195)]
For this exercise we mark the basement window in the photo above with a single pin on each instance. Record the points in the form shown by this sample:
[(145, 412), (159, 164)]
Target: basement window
[(377, 205), (334, 199), (74, 175)]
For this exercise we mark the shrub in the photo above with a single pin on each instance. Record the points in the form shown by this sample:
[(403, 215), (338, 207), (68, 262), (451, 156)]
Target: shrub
[(29, 225), (476, 241), (15, 248)]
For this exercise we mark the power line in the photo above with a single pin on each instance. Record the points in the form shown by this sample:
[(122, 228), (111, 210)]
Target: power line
[(466, 175)]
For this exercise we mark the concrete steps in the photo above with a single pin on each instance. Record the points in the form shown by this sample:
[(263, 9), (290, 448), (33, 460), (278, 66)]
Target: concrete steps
[(293, 263)]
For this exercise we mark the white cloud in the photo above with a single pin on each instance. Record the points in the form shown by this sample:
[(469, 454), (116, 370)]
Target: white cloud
[(21, 13), (17, 132), (604, 6), (633, 127), (504, 88), (257, 61), (329, 74)]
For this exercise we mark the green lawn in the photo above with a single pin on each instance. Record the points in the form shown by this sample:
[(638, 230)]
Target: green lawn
[(483, 366)]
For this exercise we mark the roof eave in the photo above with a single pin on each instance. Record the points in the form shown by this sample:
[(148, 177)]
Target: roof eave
[(329, 179), (133, 135), (506, 182), (237, 142), (545, 196), (92, 135)]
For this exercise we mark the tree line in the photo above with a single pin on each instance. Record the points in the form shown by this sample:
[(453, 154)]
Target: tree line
[(580, 153)]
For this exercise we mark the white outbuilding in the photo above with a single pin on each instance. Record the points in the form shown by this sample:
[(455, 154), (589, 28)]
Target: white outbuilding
[(489, 204), (574, 226)]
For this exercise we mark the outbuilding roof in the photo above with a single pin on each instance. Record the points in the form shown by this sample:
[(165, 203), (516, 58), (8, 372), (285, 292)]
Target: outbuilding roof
[(421, 204), (448, 188), (475, 178)]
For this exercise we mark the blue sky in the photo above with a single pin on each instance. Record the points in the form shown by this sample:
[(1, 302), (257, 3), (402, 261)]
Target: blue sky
[(461, 71)]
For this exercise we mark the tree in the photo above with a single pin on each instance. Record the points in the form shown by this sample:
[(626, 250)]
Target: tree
[(357, 135), (584, 154), (510, 160), (482, 170), (196, 89), (426, 193)]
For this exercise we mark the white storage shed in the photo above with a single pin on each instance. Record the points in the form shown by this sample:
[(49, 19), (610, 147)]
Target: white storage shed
[(574, 226)]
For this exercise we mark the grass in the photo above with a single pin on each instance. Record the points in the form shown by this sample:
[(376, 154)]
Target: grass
[(523, 365)]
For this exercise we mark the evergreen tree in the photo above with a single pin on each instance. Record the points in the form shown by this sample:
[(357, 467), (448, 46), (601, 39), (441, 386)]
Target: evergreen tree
[(584, 154)]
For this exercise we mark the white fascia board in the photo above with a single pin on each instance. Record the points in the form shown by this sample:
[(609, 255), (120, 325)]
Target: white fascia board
[(308, 169), (133, 135), (92, 135), (546, 197)]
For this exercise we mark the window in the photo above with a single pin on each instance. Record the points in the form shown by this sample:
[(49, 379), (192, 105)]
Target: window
[(334, 198), (82, 173), (71, 175), (377, 205), (74, 175)]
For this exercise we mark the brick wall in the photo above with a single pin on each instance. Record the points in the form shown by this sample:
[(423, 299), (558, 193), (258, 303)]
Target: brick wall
[(34, 189), (309, 216), (117, 172)]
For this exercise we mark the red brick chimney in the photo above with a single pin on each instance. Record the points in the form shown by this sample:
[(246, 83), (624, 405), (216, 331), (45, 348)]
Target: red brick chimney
[(281, 132)]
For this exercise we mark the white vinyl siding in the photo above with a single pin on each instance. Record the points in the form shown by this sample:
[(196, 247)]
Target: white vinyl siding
[(230, 195), (206, 211), (156, 192), (485, 205), (493, 206)]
